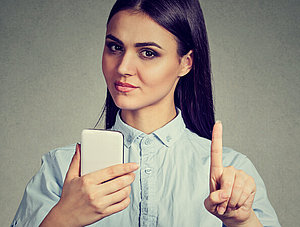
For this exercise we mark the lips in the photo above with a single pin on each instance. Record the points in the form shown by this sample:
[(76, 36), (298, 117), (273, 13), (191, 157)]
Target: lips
[(124, 87)]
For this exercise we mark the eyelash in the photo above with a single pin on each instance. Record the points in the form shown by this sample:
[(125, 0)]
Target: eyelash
[(112, 45), (153, 53)]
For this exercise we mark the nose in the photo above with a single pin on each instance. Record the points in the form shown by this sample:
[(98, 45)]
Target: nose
[(127, 64)]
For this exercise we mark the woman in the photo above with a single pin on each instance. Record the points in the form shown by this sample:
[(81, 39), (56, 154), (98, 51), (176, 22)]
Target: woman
[(157, 69)]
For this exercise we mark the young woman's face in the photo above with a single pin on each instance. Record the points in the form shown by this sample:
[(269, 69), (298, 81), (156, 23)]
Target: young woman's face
[(140, 62)]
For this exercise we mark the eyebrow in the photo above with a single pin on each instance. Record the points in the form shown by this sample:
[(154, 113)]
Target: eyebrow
[(136, 45), (114, 39)]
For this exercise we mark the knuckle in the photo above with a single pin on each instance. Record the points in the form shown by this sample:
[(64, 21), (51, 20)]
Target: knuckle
[(110, 171), (85, 181), (100, 208), (91, 198), (227, 184), (254, 188), (238, 186), (245, 194), (251, 183), (103, 211), (248, 191), (240, 172), (98, 205), (251, 179), (211, 198), (206, 203)]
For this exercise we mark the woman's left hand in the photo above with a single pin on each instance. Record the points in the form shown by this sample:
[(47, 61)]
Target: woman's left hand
[(232, 191)]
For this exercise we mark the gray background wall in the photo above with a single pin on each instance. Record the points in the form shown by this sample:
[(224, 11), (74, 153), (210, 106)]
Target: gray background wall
[(52, 86)]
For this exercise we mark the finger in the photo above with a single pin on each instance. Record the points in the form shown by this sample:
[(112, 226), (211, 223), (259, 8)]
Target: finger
[(249, 201), (111, 172), (238, 187), (117, 207), (116, 197), (216, 165), (215, 198), (248, 192), (216, 146), (74, 168), (227, 181), (117, 184)]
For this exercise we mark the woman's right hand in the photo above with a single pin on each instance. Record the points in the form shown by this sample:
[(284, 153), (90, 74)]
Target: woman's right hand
[(89, 198)]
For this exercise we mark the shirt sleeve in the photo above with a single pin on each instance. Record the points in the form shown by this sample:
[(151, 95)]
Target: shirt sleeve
[(41, 194), (261, 204)]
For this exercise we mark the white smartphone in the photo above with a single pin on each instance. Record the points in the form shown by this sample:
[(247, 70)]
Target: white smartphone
[(100, 149)]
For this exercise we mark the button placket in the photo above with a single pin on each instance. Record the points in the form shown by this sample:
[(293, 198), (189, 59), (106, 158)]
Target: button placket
[(147, 210)]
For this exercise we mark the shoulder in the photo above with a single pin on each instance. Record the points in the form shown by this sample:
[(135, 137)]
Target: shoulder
[(58, 160), (44, 189), (61, 153)]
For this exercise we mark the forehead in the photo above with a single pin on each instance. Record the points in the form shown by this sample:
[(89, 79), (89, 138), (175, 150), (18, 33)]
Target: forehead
[(134, 27)]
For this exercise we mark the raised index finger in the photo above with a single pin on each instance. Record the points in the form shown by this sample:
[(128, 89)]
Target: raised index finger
[(216, 147)]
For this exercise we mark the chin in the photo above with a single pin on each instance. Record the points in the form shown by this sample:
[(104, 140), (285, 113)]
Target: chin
[(125, 104)]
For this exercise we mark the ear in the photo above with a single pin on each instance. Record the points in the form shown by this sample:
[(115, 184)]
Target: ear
[(186, 64)]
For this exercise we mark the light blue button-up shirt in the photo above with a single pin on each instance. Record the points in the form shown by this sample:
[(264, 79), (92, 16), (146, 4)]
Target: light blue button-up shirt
[(170, 186)]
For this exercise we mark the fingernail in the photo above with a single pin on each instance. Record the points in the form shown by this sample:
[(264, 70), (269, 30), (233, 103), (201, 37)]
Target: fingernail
[(221, 210), (218, 122), (77, 148)]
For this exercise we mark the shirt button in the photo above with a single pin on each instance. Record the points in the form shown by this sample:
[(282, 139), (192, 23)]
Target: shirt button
[(148, 141), (148, 171), (145, 210), (129, 139)]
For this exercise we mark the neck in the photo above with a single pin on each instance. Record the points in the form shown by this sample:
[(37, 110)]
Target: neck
[(148, 119)]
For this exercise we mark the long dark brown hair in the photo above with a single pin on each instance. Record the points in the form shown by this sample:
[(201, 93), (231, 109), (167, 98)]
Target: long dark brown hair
[(193, 94)]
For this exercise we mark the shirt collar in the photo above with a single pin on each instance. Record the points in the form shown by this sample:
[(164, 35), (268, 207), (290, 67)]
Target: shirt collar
[(167, 134)]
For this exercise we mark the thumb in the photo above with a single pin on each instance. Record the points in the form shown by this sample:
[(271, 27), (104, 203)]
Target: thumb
[(74, 168), (215, 198)]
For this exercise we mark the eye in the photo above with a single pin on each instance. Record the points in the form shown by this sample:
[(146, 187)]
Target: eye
[(114, 47), (148, 54)]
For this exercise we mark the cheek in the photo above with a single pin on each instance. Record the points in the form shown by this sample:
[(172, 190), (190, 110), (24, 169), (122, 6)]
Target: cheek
[(161, 75), (107, 67)]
